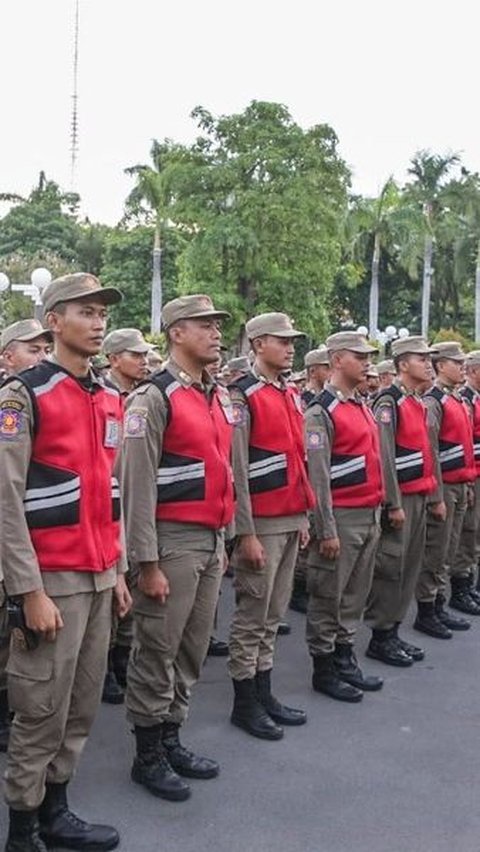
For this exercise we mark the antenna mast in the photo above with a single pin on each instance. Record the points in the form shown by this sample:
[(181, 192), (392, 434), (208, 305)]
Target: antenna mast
[(74, 124)]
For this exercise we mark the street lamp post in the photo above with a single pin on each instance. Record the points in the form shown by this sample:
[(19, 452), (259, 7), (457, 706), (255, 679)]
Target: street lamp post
[(40, 278)]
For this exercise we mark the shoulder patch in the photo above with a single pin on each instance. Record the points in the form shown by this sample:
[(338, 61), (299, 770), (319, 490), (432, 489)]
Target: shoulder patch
[(239, 413), (12, 419), (315, 439), (385, 414), (136, 422)]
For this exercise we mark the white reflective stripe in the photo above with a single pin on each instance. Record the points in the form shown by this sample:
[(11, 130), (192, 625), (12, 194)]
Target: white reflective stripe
[(51, 502), (52, 382), (266, 471), (168, 475), (346, 467), (412, 460), (452, 453), (115, 492), (280, 457), (172, 388), (253, 388), (52, 490), (333, 405), (111, 391)]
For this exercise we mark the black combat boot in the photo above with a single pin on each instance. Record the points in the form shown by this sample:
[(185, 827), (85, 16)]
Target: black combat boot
[(250, 715), (347, 666), (384, 647), (23, 832), (326, 679), (60, 827), (284, 629), (152, 769), (472, 589), (182, 760), (112, 691), (280, 713), (217, 648), (460, 598), (299, 599), (453, 622), (4, 720), (429, 622), (417, 654), (120, 654)]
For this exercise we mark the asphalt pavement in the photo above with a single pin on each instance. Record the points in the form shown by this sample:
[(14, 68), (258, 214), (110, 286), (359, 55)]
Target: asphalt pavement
[(399, 772)]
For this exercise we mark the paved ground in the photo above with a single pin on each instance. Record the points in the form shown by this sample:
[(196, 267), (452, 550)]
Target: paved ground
[(398, 773)]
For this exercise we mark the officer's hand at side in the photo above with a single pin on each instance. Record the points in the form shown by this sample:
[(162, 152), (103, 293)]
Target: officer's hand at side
[(122, 597), (251, 550), (42, 615), (438, 510), (396, 518), (330, 548), (304, 539), (152, 582)]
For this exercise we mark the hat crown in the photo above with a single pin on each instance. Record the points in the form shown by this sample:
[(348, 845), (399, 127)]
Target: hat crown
[(23, 330), (193, 306), (274, 323)]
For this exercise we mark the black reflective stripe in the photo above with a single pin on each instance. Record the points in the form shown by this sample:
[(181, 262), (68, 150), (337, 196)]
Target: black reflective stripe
[(180, 479), (267, 470), (451, 456), (409, 464), (347, 470), (52, 497)]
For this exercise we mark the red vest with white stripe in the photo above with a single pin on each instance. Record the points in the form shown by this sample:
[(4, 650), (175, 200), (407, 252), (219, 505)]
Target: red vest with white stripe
[(413, 454), (355, 471), (455, 440), (194, 478), (473, 400), (277, 475), (72, 500)]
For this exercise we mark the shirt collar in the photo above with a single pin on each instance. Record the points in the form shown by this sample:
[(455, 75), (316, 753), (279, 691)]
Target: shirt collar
[(338, 394), (281, 383), (185, 379)]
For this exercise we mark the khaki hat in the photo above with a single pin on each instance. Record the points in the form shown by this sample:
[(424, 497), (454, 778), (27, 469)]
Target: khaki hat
[(125, 340), (24, 331), (298, 377), (450, 349), (413, 345), (241, 364), (384, 367), (351, 340), (372, 373), (277, 325), (473, 358), (190, 307), (317, 356), (69, 288)]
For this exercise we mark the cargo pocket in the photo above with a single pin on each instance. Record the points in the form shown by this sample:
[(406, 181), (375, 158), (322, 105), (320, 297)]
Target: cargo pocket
[(31, 684), (252, 584), (323, 579), (388, 563)]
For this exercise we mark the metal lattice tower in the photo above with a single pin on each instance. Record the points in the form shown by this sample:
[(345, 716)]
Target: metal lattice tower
[(74, 124)]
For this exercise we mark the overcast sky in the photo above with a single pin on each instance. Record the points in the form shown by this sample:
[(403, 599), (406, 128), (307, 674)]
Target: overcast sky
[(390, 77)]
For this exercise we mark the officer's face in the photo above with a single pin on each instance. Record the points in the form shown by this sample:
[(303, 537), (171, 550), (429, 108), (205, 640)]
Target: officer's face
[(386, 379), (473, 376), (353, 365), (81, 327), (320, 374), (276, 352), (22, 354), (452, 372), (132, 365), (419, 368), (199, 339)]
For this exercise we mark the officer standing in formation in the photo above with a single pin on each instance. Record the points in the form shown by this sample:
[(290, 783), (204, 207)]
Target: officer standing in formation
[(273, 497), (386, 372), (409, 481), (62, 560), (178, 499), (466, 558), (344, 468), (450, 430)]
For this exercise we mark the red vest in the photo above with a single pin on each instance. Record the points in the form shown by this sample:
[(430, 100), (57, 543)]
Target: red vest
[(277, 475), (72, 499), (413, 453), (455, 441), (473, 399), (194, 478), (355, 472)]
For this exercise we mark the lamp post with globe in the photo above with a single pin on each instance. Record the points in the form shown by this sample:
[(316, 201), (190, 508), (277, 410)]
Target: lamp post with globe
[(386, 337), (39, 279)]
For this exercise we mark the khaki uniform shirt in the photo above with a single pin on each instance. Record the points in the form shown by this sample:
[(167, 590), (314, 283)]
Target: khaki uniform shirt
[(18, 557), (434, 419), (142, 451), (245, 522), (385, 412)]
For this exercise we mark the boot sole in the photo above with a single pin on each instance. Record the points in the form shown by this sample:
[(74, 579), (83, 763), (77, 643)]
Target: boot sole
[(432, 633), (169, 795), (56, 843), (274, 737), (353, 699), (400, 664), (365, 687), (289, 723), (190, 773)]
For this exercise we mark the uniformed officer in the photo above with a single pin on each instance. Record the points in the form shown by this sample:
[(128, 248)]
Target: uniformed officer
[(62, 559), (127, 352), (373, 383), (344, 467), (154, 360), (238, 367), (408, 473), (317, 365), (466, 558), (178, 499), (452, 446), (273, 496), (386, 373), (23, 344)]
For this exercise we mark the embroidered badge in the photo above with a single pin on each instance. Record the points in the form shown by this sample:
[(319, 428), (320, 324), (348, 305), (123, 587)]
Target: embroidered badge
[(385, 415), (136, 423), (315, 440), (239, 414), (112, 434), (11, 422)]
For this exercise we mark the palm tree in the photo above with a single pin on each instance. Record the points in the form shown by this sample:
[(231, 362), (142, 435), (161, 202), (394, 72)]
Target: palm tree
[(430, 172)]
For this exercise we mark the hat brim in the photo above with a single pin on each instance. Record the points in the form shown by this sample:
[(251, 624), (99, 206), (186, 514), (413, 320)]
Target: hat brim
[(359, 350), (201, 315), (34, 335), (418, 352), (272, 333), (105, 295)]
